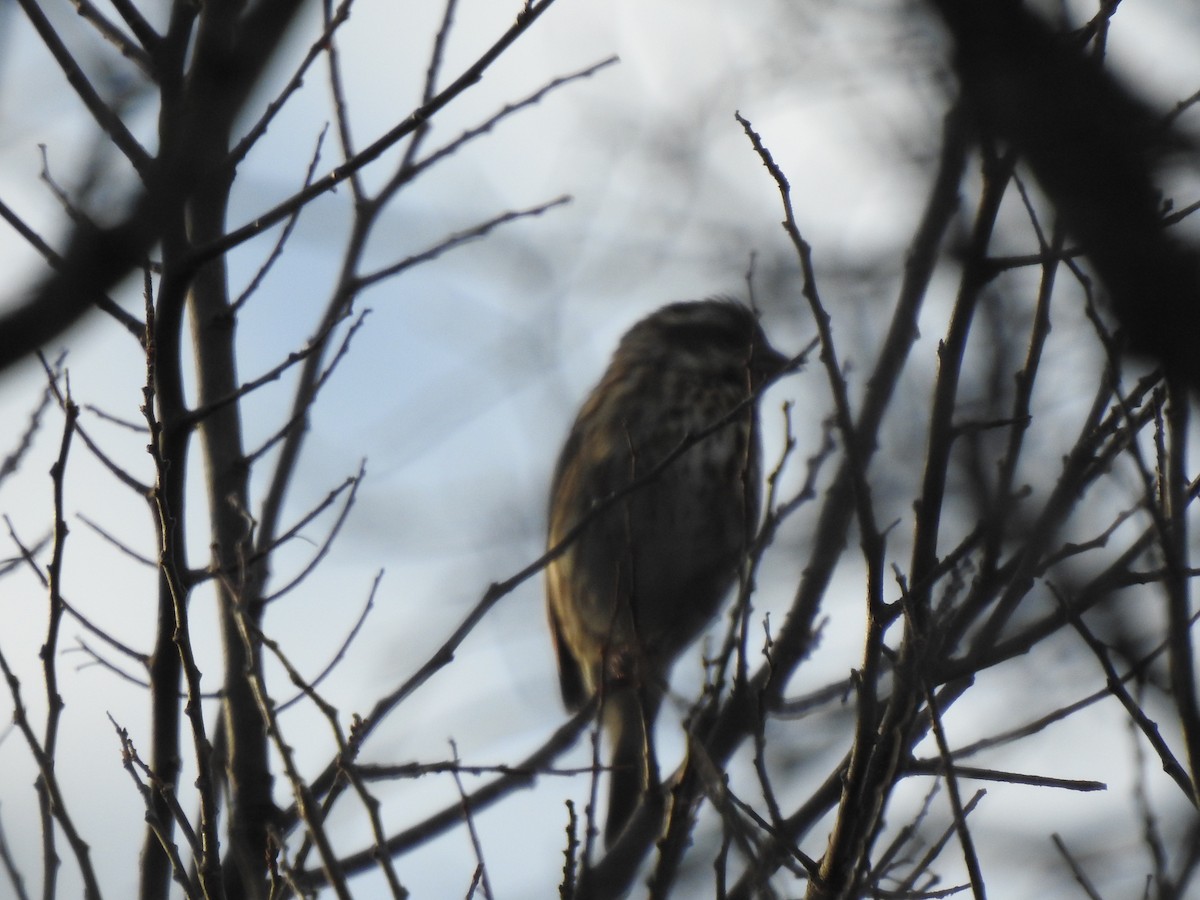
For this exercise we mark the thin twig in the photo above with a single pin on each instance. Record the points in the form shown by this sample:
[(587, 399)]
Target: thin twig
[(98, 660), (116, 542), (970, 857), (370, 803), (58, 264), (137, 771), (141, 28), (469, 819), (259, 128), (1080, 875), (308, 391), (525, 20), (407, 172), (306, 802), (105, 116), (451, 816), (117, 471), (49, 650), (345, 646), (136, 427), (48, 781), (15, 878), (341, 109), (288, 226), (12, 462), (437, 55), (27, 553), (474, 233), (934, 852), (1148, 728), (941, 767), (353, 485), (1181, 650)]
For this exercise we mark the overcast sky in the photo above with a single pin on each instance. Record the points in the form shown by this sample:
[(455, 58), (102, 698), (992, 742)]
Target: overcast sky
[(461, 386)]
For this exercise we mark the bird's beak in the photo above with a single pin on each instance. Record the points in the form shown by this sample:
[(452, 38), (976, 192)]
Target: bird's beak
[(767, 364)]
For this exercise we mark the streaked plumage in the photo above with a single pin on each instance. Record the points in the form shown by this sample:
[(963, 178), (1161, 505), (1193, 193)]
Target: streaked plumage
[(648, 573)]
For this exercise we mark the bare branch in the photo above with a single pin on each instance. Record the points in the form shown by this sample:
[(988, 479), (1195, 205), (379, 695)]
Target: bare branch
[(450, 817), (60, 265), (319, 46), (345, 646), (15, 877), (483, 229), (284, 234), (149, 788), (12, 461), (437, 55), (1148, 728), (468, 818), (49, 787), (410, 169), (104, 115), (1080, 876), (470, 76)]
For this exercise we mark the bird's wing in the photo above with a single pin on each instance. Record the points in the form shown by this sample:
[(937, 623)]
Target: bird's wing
[(570, 676)]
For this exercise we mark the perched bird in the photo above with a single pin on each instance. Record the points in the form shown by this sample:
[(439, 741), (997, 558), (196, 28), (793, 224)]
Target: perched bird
[(647, 572)]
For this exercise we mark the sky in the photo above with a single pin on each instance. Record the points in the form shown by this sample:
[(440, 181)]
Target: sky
[(461, 385)]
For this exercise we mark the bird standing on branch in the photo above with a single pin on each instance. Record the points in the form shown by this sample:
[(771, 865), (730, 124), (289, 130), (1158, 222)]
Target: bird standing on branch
[(661, 473)]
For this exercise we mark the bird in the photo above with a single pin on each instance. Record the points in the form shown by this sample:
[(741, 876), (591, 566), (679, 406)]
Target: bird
[(657, 494)]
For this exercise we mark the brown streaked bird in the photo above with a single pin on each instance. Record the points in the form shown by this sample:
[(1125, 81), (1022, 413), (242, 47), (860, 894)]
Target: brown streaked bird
[(648, 573)]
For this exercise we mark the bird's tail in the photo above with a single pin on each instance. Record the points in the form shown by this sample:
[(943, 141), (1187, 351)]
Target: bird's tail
[(629, 720)]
